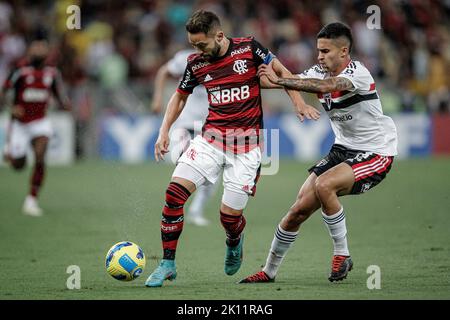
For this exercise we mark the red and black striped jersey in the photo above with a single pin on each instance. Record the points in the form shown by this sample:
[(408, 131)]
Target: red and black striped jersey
[(235, 116), (32, 89)]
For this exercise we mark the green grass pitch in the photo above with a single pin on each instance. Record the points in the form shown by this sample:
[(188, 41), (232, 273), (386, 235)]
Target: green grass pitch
[(402, 226)]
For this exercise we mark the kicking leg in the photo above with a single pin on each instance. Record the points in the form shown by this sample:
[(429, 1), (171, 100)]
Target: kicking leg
[(184, 182), (177, 193)]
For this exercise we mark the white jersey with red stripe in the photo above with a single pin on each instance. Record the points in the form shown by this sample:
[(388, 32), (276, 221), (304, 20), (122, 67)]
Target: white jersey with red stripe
[(356, 115)]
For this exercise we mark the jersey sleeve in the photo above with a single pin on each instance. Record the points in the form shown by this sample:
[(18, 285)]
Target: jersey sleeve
[(358, 75), (261, 54), (188, 82), (177, 65)]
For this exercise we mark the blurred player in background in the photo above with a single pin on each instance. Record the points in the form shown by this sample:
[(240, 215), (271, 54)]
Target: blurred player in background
[(32, 85), (183, 130), (230, 140), (361, 157)]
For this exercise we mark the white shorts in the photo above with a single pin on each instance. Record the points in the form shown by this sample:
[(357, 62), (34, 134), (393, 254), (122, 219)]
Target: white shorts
[(19, 135), (240, 171)]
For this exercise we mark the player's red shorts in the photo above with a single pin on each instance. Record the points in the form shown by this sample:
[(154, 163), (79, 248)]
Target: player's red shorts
[(369, 168)]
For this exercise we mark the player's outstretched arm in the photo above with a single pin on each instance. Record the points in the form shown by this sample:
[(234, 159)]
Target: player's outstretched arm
[(316, 85), (173, 111), (301, 108), (60, 93), (267, 84), (160, 80), (6, 86), (308, 85)]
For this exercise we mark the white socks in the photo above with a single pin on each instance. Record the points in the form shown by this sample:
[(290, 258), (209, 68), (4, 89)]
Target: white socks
[(338, 231), (282, 241)]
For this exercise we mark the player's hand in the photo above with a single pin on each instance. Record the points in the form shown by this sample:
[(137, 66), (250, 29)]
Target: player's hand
[(307, 111), (161, 146), (265, 70), (17, 111)]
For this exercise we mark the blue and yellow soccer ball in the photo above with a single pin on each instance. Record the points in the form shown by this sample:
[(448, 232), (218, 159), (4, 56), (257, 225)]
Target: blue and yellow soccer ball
[(125, 261)]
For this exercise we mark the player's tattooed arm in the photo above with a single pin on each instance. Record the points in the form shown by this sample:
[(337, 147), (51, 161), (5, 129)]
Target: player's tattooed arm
[(267, 84), (307, 85), (302, 109), (317, 85)]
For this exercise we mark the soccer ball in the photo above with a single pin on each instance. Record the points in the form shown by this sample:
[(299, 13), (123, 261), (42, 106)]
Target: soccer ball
[(125, 261)]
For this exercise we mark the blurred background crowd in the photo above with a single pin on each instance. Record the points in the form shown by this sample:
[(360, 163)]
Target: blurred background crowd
[(110, 63)]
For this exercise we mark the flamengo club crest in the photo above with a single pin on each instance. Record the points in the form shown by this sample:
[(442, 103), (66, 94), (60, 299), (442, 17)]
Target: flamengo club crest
[(240, 66)]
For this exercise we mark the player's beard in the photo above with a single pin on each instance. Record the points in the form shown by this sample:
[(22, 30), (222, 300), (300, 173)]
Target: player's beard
[(214, 52)]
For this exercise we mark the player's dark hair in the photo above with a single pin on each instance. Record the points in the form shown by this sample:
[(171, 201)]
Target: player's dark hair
[(336, 30), (202, 21)]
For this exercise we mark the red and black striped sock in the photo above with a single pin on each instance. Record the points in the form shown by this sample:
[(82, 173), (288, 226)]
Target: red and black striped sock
[(37, 178), (172, 218), (234, 225)]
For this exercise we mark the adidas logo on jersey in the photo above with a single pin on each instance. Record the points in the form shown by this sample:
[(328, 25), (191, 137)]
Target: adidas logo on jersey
[(208, 78)]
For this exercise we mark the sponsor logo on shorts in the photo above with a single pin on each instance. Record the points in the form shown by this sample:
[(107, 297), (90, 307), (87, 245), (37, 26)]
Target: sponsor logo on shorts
[(362, 156), (365, 187), (191, 154), (322, 163)]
